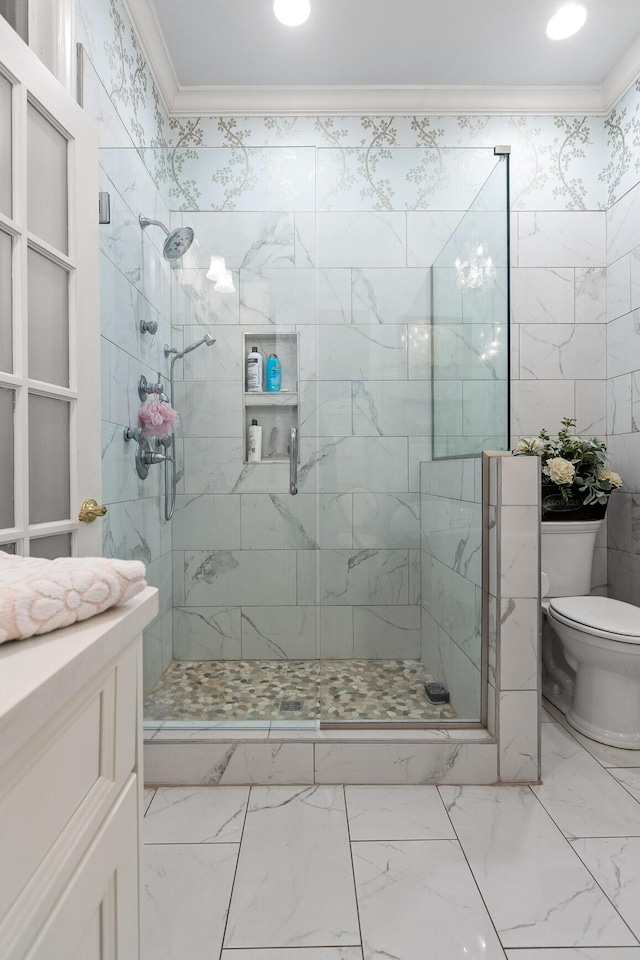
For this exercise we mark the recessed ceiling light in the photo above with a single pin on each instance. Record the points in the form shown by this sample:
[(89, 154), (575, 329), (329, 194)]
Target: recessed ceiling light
[(566, 21), (292, 12)]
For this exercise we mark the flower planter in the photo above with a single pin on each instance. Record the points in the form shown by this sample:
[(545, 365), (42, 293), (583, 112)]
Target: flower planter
[(556, 509)]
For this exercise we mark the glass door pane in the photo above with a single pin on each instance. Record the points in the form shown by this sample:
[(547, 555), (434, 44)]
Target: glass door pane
[(48, 296), (48, 459), (7, 399), (47, 189), (6, 206)]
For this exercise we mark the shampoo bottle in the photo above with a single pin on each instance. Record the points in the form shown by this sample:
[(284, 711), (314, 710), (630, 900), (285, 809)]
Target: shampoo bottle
[(274, 374), (254, 371), (254, 444)]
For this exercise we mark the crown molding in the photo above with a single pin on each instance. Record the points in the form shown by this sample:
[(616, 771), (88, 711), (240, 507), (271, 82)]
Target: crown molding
[(384, 100), (259, 101)]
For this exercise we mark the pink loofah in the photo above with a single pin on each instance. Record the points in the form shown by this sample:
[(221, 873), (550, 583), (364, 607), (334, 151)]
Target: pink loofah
[(157, 416)]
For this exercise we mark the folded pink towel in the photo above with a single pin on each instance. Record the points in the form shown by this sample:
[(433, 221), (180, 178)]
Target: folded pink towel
[(37, 596)]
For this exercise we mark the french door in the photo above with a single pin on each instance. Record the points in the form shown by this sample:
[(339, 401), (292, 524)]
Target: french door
[(49, 312)]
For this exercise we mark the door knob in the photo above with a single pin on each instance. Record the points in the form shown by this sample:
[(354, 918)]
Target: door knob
[(90, 510)]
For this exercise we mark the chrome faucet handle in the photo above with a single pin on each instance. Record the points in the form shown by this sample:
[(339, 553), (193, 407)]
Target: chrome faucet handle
[(165, 441), (146, 388), (132, 433)]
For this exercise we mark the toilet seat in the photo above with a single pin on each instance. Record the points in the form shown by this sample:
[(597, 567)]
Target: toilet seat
[(598, 616)]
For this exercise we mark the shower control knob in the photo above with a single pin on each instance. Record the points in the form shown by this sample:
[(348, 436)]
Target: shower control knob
[(165, 441)]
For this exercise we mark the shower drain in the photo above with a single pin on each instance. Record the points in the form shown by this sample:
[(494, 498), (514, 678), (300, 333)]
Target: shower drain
[(289, 706)]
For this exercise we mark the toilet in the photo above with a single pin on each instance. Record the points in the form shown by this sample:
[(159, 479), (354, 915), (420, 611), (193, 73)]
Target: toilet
[(591, 645)]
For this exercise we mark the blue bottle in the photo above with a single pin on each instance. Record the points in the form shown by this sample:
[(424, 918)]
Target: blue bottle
[(273, 374)]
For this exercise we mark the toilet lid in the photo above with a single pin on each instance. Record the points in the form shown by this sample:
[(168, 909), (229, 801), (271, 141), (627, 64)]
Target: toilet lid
[(601, 614)]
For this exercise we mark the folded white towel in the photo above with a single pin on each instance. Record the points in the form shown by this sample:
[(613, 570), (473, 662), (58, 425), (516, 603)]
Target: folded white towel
[(37, 596)]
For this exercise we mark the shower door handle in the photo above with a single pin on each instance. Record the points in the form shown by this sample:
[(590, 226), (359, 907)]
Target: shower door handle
[(293, 461)]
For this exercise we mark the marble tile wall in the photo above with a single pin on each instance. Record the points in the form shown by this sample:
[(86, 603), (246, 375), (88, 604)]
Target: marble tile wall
[(623, 386), (135, 286), (451, 557)]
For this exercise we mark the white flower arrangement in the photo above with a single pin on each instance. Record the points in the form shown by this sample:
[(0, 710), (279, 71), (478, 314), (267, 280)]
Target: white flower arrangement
[(572, 464)]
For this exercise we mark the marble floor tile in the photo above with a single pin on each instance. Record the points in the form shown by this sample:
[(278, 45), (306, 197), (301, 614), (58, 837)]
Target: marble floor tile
[(537, 890), (147, 797), (629, 778), (185, 899), (419, 899), (196, 815), (582, 798), (301, 953), (615, 863), (604, 754), (397, 813), (588, 953), (294, 882)]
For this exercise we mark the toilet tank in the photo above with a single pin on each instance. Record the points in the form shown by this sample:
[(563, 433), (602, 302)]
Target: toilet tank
[(567, 557)]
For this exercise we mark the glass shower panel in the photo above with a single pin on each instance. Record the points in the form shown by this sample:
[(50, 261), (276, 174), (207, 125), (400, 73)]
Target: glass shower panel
[(5, 147), (470, 302), (47, 201)]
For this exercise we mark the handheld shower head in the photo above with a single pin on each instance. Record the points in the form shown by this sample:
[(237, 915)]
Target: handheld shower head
[(177, 242), (178, 354)]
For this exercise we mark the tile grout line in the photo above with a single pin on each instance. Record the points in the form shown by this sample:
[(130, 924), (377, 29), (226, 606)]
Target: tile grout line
[(353, 871), (235, 873)]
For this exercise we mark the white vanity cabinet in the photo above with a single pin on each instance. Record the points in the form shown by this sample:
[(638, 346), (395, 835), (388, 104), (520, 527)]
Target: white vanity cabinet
[(70, 789)]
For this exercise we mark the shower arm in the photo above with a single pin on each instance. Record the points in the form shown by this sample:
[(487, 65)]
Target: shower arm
[(146, 222)]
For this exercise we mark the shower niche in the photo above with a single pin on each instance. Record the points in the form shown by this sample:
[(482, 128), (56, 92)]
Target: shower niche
[(276, 412)]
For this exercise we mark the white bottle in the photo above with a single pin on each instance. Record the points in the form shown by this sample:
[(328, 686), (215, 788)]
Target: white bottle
[(254, 443), (254, 371)]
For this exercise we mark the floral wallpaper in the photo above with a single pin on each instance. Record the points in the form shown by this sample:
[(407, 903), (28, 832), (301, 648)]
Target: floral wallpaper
[(558, 163)]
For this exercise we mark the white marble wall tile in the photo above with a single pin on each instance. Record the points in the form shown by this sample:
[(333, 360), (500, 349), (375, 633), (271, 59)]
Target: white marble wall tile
[(359, 464), (151, 656), (537, 890), (623, 453), (615, 864), (206, 633), (305, 239), (333, 408), (335, 639), (364, 577), (452, 533), (520, 481), (469, 351), (246, 240), (519, 552), (585, 953), (519, 651), (562, 239), (519, 735), (185, 898), (228, 763), (397, 813), (364, 239), (294, 886), (420, 349), (591, 295), (420, 451), (105, 379), (622, 225), (271, 522), (335, 521), (619, 522), (134, 530), (447, 292), (196, 301), (120, 480), (389, 763), (415, 576), (159, 574), (196, 815), (236, 577), (464, 683), (435, 650), (542, 295), (307, 588), (177, 570), (304, 953), (209, 409), (619, 404), (405, 889), (619, 287), (580, 796), (427, 233), (221, 362), (214, 465), (561, 351), (451, 600), (635, 278), (391, 296), (362, 353), (455, 479), (591, 407), (386, 520), (206, 523), (539, 403), (447, 407), (278, 633), (391, 408), (387, 633), (295, 297), (484, 408), (622, 344)]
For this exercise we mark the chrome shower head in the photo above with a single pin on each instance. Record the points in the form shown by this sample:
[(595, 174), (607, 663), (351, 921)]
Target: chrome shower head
[(177, 242), (178, 354)]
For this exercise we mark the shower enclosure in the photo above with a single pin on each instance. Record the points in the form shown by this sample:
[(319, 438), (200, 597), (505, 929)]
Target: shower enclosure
[(379, 278)]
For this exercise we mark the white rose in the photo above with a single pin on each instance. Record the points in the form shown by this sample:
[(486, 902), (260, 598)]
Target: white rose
[(614, 478), (560, 470)]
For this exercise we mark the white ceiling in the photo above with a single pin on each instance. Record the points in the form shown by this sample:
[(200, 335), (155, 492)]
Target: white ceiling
[(224, 43)]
